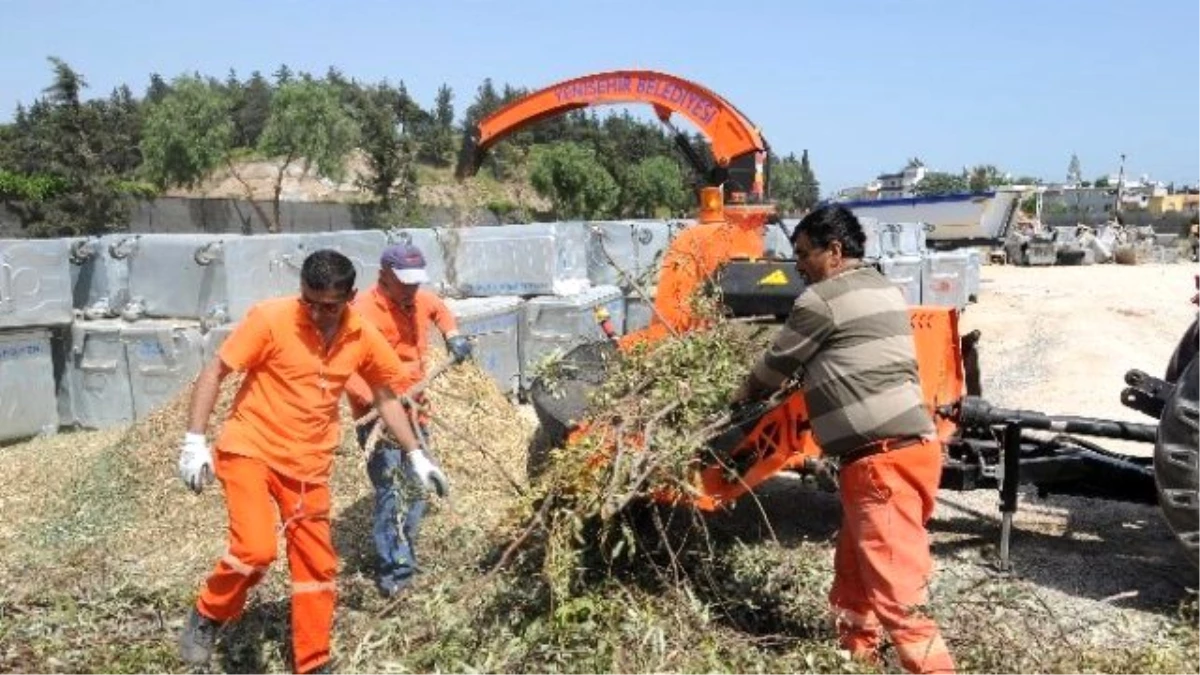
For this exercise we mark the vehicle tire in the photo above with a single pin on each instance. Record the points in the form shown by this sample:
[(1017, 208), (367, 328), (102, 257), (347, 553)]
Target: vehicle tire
[(1175, 461), (1184, 353)]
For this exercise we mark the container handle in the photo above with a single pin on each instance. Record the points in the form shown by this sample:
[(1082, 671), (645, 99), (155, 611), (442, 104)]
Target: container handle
[(124, 247), (83, 251), (209, 253), (6, 293)]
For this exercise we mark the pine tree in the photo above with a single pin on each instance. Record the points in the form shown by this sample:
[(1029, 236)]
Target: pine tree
[(810, 192)]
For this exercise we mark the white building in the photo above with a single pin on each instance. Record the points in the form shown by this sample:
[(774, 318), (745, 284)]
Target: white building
[(897, 185)]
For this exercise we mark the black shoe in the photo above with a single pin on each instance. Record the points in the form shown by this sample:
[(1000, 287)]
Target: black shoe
[(199, 635)]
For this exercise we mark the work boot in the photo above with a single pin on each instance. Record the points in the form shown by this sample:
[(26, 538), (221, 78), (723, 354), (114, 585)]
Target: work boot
[(199, 635), (391, 589)]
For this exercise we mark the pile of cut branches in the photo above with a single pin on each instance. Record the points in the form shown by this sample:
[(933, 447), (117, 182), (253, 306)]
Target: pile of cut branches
[(647, 433)]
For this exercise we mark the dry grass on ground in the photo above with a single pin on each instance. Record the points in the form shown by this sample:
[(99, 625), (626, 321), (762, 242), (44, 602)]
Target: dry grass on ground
[(104, 550)]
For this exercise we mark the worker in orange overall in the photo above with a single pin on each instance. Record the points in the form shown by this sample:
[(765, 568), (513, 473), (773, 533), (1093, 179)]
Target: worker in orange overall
[(403, 311), (275, 451), (849, 341)]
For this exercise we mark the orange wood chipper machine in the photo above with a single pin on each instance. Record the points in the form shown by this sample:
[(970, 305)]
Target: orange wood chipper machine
[(987, 446)]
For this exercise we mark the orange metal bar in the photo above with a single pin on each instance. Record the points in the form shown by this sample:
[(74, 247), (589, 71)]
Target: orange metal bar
[(782, 440), (729, 132), (693, 259)]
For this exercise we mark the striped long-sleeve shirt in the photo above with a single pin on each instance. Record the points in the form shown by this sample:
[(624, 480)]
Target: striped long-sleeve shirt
[(849, 341)]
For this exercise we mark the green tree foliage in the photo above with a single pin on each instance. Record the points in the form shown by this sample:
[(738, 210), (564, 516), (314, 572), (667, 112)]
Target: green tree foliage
[(941, 183), (503, 157), (784, 186), (486, 102), (654, 187), (1101, 182), (283, 75), (251, 110), (187, 133), (389, 150), (158, 88), (438, 148), (16, 187), (80, 148), (793, 186), (573, 180), (810, 189), (74, 166), (984, 177), (309, 125)]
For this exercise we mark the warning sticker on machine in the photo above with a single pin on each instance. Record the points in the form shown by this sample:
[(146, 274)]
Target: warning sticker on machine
[(776, 278)]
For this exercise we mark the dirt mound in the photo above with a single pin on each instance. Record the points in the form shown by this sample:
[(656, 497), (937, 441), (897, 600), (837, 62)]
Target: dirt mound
[(437, 187)]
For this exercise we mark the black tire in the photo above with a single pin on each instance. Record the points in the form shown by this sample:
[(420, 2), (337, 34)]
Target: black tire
[(1184, 352), (1176, 462)]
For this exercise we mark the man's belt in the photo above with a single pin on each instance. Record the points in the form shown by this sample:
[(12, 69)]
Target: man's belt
[(877, 447)]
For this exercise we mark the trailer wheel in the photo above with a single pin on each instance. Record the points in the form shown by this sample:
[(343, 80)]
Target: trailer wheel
[(1184, 353), (1175, 461)]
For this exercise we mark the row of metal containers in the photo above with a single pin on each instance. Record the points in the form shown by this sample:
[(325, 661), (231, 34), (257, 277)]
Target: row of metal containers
[(214, 279), (142, 312), (900, 251), (108, 372), (99, 332)]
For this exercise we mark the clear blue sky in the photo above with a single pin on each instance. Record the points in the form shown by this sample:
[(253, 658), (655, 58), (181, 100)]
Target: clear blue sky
[(862, 85)]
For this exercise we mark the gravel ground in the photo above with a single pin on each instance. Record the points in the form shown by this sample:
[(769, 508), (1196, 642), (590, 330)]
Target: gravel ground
[(1059, 340), (1087, 571), (1056, 340)]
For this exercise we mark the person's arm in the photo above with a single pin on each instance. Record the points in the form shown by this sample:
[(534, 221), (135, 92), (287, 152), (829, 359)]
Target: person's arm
[(245, 347), (382, 372), (797, 342), (359, 391), (456, 343), (381, 368), (204, 395), (395, 417), (442, 317)]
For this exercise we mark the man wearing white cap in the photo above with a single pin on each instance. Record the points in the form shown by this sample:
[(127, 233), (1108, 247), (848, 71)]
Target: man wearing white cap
[(402, 310)]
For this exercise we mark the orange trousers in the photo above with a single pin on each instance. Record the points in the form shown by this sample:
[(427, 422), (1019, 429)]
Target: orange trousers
[(882, 565), (257, 497)]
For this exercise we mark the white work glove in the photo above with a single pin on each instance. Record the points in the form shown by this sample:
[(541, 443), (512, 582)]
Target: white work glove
[(195, 462), (431, 476)]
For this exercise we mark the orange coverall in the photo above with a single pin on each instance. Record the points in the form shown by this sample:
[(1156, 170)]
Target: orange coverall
[(882, 557), (275, 452), (406, 329)]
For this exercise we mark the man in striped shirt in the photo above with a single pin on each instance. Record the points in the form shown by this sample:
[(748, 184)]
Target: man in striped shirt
[(849, 343)]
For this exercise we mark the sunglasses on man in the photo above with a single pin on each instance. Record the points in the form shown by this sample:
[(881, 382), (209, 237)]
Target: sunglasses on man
[(326, 307)]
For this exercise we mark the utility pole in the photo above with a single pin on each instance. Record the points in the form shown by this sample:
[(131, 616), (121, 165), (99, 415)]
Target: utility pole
[(1120, 188)]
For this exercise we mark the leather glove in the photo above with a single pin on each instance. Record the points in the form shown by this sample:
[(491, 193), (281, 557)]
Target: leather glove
[(460, 348), (195, 462), (431, 476)]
